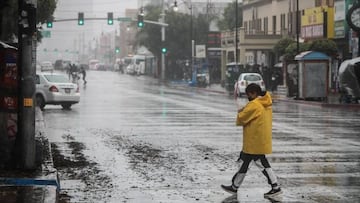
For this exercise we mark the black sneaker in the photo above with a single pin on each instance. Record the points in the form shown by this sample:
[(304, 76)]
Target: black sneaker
[(273, 192), (229, 189)]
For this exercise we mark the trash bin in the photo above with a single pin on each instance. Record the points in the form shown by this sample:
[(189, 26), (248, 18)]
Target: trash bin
[(313, 75)]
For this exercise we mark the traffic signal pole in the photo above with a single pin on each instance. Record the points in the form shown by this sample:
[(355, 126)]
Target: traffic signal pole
[(162, 20), (25, 140)]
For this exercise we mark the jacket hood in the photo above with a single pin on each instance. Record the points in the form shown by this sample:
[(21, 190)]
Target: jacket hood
[(265, 100)]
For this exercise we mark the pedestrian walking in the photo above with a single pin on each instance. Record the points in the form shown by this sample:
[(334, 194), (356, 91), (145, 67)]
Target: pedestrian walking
[(83, 73), (256, 119)]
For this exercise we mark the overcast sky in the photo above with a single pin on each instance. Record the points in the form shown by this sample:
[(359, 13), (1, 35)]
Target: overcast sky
[(66, 35)]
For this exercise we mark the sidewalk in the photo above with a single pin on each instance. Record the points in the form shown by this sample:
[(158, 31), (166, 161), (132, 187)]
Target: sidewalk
[(38, 186), (332, 102)]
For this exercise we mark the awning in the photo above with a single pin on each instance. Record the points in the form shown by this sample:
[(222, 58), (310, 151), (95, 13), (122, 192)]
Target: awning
[(311, 55)]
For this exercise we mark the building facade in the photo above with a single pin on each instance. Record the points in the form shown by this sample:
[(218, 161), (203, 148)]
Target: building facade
[(265, 22)]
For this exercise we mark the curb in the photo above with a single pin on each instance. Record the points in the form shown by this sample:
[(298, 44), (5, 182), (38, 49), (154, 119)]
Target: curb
[(47, 163), (319, 104), (41, 185)]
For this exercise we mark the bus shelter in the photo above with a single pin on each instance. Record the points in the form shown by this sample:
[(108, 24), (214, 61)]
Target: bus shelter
[(313, 75)]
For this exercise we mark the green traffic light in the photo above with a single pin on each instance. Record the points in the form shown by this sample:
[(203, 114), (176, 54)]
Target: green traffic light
[(140, 24), (49, 25), (117, 50), (81, 18), (110, 18), (164, 50)]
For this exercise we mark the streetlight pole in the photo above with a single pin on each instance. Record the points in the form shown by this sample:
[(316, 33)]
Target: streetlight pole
[(192, 41), (236, 31), (297, 28), (162, 20)]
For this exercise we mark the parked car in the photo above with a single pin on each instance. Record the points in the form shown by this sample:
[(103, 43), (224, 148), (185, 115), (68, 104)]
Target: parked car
[(56, 89), (130, 69), (46, 66), (248, 78)]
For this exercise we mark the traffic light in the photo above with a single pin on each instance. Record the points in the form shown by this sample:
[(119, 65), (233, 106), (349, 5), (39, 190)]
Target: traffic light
[(110, 18), (80, 18), (49, 24), (164, 50), (117, 50), (28, 18), (140, 22)]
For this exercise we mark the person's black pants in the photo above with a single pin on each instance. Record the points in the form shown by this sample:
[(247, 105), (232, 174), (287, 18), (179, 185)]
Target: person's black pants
[(261, 162)]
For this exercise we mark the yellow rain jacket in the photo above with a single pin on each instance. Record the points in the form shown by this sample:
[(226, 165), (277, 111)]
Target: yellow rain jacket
[(256, 119)]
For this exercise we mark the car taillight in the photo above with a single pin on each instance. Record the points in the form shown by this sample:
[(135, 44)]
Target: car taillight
[(53, 89), (262, 83)]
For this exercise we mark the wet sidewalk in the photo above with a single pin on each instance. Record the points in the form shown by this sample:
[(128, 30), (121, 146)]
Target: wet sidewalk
[(39, 186)]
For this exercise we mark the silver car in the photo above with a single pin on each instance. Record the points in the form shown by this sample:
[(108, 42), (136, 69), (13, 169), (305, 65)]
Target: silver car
[(56, 89)]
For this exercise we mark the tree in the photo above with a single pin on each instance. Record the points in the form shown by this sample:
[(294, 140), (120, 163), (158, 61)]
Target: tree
[(178, 34), (9, 16), (325, 46), (281, 45), (291, 50), (150, 35), (8, 20), (227, 22)]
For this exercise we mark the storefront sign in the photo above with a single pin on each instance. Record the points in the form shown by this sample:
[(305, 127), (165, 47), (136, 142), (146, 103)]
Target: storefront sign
[(339, 19), (312, 31), (8, 78)]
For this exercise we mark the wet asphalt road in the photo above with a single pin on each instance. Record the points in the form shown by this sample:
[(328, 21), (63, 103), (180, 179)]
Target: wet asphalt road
[(131, 140)]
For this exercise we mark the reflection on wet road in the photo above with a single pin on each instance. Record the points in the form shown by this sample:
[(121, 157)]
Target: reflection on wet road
[(131, 140)]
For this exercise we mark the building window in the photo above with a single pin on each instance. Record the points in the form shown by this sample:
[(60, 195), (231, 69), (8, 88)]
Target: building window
[(250, 26), (290, 22), (266, 28), (274, 25), (259, 25), (246, 26), (282, 22)]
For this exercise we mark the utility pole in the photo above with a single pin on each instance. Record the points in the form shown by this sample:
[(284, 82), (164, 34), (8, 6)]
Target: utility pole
[(26, 113), (236, 31), (193, 76), (162, 20), (297, 28)]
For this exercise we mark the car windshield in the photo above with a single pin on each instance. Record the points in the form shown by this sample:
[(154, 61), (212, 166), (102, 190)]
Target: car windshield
[(56, 78), (252, 77)]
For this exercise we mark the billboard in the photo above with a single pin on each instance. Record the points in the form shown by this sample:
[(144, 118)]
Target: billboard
[(317, 22), (339, 19)]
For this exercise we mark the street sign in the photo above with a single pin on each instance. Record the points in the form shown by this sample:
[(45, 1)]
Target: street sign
[(46, 33), (200, 51), (124, 19)]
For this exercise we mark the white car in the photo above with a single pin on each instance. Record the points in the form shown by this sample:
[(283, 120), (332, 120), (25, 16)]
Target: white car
[(248, 78), (46, 66), (130, 69), (56, 89)]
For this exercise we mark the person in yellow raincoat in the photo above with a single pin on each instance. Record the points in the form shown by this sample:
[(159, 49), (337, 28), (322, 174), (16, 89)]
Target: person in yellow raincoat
[(256, 119)]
